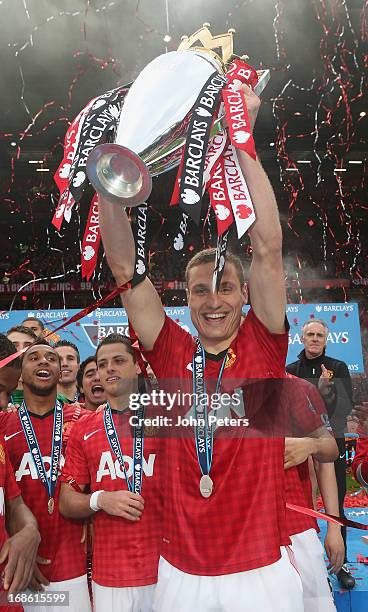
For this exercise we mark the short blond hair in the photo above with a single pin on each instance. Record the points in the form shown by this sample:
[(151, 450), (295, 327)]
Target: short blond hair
[(209, 256)]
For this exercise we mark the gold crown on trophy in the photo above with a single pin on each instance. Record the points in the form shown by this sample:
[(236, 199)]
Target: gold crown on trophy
[(223, 42)]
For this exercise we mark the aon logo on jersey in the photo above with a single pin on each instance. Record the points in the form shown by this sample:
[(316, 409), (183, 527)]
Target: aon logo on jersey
[(111, 468), (27, 467)]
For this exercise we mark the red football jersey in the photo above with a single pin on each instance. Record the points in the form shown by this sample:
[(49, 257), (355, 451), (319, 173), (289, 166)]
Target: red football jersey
[(8, 490), (125, 553), (62, 540), (361, 456), (241, 526), (307, 413)]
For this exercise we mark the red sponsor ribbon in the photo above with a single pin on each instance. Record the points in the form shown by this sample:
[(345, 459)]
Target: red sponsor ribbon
[(238, 193), (215, 150), (176, 191), (337, 520), (219, 198), (61, 176), (240, 130), (91, 240), (79, 315), (241, 72)]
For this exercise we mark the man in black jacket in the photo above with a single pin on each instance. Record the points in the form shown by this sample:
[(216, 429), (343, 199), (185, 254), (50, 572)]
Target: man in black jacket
[(331, 376)]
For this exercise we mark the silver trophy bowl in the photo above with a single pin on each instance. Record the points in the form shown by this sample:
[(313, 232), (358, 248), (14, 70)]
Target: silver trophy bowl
[(119, 174), (152, 126)]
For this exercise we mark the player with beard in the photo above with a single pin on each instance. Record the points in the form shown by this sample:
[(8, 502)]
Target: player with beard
[(224, 502), (89, 384), (126, 509), (69, 362), (36, 444), (35, 325)]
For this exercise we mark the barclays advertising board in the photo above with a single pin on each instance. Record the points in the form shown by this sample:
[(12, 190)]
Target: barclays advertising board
[(343, 341)]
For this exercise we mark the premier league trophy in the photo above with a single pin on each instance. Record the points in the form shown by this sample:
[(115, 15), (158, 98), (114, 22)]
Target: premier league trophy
[(156, 114)]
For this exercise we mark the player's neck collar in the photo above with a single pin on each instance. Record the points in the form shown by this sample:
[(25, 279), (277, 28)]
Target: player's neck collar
[(216, 357)]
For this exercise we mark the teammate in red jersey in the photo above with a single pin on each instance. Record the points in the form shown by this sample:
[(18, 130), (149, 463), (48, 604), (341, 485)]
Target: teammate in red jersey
[(360, 461), (18, 552), (126, 524), (220, 548), (89, 384), (34, 437), (308, 421)]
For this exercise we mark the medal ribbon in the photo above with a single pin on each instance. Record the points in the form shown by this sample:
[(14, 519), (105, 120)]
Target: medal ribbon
[(134, 484), (203, 433), (32, 442)]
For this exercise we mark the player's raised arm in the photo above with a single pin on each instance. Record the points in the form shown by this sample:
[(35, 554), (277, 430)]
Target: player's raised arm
[(142, 303), (266, 279)]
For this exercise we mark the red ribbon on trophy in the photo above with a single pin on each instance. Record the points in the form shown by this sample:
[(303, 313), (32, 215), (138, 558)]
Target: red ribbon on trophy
[(88, 129), (209, 161), (91, 240)]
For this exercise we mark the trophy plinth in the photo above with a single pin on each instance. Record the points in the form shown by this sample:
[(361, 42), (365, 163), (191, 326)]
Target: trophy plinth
[(119, 175)]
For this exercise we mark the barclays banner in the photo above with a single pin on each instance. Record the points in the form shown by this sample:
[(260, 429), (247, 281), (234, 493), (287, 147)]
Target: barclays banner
[(343, 341)]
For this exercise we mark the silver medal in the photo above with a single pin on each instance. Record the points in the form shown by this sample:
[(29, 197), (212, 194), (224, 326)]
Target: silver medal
[(206, 486)]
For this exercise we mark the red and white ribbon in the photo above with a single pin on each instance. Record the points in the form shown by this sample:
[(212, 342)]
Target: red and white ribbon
[(219, 198), (239, 196), (91, 240)]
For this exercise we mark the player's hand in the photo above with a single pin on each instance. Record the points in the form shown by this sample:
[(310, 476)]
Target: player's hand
[(122, 503), (360, 414), (20, 553), (38, 580), (297, 450), (325, 384), (335, 548), (12, 408), (252, 102)]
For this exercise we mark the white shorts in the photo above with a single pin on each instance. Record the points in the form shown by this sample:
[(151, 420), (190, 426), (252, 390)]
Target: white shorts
[(309, 557), (125, 599), (77, 589), (273, 588)]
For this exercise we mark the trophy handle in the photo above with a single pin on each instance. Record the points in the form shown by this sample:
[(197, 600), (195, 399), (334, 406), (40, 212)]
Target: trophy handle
[(119, 174)]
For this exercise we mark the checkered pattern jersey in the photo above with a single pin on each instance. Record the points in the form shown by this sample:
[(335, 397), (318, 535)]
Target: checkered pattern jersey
[(8, 490), (307, 412), (361, 456), (62, 540), (242, 525), (125, 553)]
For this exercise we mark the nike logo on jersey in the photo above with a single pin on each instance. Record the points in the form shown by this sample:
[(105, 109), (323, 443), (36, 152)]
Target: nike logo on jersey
[(86, 436), (6, 438)]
